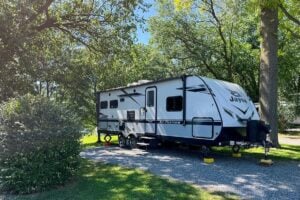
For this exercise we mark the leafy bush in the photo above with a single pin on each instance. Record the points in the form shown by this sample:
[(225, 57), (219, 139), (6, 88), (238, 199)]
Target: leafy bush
[(39, 144), (286, 114)]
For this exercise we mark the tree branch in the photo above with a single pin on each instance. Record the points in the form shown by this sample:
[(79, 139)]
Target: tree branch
[(49, 23), (288, 15), (295, 35), (219, 28), (188, 47), (42, 9), (76, 38)]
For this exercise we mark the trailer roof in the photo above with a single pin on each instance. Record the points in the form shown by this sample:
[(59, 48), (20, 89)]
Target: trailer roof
[(147, 83)]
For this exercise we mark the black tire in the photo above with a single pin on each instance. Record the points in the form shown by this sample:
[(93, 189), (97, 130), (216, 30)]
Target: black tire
[(107, 138), (236, 148), (122, 141), (132, 142)]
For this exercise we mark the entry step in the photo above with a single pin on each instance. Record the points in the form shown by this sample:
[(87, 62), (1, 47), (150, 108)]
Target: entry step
[(147, 138), (143, 144)]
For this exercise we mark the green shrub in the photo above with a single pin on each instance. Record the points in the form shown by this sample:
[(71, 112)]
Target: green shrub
[(286, 114), (39, 144)]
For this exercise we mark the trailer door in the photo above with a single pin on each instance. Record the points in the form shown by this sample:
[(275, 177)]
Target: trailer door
[(151, 110)]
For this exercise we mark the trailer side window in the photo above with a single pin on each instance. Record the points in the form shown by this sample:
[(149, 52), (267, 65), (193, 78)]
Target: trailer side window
[(150, 98), (174, 104), (131, 115), (103, 104), (113, 104)]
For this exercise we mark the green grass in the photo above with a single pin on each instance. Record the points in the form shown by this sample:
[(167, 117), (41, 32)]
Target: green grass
[(285, 152), (91, 140), (289, 152), (102, 181)]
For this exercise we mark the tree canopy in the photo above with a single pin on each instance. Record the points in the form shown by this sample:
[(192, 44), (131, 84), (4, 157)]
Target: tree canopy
[(67, 50), (37, 36)]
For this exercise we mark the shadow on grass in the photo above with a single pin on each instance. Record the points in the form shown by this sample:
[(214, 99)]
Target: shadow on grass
[(98, 144), (91, 145), (103, 181), (227, 195)]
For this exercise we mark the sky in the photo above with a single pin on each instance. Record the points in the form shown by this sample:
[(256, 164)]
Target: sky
[(142, 35)]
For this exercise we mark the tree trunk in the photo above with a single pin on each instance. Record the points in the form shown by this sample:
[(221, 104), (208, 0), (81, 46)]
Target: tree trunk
[(47, 89), (40, 88), (268, 70)]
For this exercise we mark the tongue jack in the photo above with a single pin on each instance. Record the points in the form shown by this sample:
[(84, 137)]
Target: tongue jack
[(266, 161)]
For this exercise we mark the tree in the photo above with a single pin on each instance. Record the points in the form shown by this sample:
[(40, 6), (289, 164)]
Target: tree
[(63, 49), (269, 20), (269, 63), (104, 27), (268, 88), (289, 53), (205, 41)]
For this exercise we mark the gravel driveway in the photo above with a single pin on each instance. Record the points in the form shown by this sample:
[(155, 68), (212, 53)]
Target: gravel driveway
[(241, 176)]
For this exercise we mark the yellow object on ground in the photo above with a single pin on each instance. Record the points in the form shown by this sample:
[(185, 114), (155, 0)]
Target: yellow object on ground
[(266, 162), (236, 155), (208, 160)]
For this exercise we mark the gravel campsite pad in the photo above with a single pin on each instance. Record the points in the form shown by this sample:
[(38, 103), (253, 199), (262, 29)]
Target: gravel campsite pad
[(242, 176)]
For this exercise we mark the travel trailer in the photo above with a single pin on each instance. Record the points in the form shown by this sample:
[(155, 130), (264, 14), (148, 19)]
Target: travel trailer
[(193, 110)]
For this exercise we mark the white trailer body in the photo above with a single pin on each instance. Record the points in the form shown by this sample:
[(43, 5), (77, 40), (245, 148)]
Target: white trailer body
[(189, 109)]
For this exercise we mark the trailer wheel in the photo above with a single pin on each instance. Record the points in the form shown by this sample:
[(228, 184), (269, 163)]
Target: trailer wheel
[(122, 141), (132, 141), (236, 148), (107, 138)]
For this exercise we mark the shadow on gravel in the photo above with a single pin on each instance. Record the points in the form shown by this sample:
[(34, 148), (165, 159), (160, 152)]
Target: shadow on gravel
[(242, 176)]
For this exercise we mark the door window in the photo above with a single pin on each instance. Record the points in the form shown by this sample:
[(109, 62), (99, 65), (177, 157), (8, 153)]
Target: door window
[(150, 98)]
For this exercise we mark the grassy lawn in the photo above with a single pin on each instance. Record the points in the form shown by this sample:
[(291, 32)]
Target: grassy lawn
[(285, 152), (91, 140), (105, 181), (102, 181)]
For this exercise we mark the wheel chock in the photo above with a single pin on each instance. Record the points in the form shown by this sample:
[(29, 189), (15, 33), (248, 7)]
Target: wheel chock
[(266, 162), (236, 155), (208, 160)]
